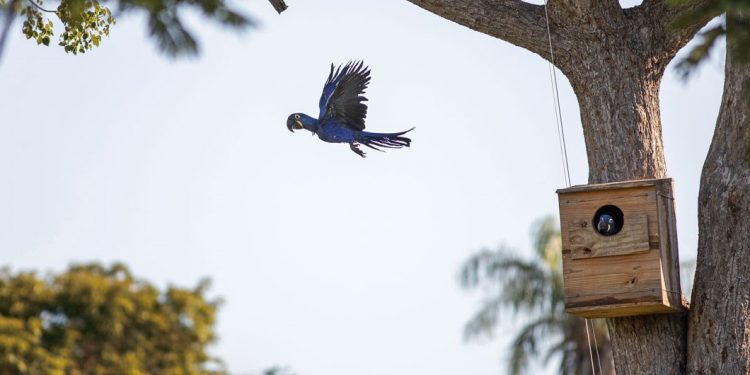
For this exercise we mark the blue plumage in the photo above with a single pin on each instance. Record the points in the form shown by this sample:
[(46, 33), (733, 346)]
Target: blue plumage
[(342, 112)]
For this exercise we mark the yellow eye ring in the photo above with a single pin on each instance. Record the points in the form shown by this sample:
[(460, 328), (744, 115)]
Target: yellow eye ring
[(296, 117)]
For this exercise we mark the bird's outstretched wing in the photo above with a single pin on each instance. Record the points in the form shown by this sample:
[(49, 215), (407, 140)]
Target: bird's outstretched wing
[(343, 98)]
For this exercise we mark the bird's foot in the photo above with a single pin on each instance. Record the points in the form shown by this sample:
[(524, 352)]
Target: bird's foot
[(355, 148)]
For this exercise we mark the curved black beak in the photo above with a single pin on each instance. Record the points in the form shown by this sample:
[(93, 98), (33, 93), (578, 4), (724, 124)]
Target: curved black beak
[(290, 124)]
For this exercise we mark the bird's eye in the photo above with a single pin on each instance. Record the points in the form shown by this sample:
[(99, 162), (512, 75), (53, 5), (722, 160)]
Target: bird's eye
[(296, 117)]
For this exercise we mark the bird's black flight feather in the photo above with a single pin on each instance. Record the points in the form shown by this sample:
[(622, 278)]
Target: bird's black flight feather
[(343, 95)]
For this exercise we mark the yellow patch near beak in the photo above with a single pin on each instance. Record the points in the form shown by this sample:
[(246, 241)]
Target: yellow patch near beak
[(298, 124)]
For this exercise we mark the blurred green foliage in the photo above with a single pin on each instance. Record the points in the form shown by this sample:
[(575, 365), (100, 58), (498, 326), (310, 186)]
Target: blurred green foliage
[(93, 320), (735, 24), (533, 289), (278, 370), (84, 23)]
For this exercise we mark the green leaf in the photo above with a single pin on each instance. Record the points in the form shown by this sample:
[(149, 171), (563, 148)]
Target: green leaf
[(85, 22), (126, 324)]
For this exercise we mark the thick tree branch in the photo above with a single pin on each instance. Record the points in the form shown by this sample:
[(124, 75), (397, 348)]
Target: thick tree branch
[(586, 8), (679, 22), (279, 5), (513, 21)]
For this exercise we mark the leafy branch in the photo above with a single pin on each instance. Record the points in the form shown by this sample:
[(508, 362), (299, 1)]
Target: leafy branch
[(86, 22)]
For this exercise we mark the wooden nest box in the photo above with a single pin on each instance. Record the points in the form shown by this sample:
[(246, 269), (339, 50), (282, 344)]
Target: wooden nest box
[(619, 245)]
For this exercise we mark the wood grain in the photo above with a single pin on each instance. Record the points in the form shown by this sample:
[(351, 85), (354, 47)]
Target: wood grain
[(668, 244), (632, 272), (615, 185), (586, 242)]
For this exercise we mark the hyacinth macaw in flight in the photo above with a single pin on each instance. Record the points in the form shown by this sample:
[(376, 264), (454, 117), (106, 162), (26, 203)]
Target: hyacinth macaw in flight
[(342, 112)]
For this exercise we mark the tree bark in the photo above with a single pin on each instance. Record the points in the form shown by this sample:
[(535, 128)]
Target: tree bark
[(511, 20), (719, 322), (616, 77), (615, 59)]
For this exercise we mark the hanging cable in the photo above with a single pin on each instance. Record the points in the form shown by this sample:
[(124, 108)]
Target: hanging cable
[(588, 340), (556, 104), (598, 357), (557, 128), (566, 167)]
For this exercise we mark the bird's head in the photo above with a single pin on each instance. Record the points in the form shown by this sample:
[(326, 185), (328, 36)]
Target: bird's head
[(606, 225), (297, 121)]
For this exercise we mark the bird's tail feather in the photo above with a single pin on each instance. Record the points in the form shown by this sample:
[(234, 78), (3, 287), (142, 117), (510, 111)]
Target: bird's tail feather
[(387, 140)]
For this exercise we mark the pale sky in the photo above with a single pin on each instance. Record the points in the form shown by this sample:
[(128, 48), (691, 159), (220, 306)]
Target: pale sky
[(329, 263)]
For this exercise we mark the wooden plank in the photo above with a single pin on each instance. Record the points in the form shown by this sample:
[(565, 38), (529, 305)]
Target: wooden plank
[(586, 242), (633, 201), (635, 276), (616, 300), (670, 258), (614, 185), (625, 309), (615, 195)]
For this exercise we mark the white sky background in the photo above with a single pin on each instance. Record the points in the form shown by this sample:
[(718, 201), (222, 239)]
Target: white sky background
[(330, 263)]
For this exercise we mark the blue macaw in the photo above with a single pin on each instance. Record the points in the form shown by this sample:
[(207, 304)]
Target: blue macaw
[(342, 112)]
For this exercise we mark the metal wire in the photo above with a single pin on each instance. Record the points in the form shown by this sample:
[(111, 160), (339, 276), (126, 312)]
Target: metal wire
[(598, 357), (556, 104), (566, 167), (588, 341)]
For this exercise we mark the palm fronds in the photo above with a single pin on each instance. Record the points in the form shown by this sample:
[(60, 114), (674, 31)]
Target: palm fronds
[(533, 287)]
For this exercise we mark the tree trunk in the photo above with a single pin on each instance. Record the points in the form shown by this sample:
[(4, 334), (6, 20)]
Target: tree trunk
[(616, 79), (618, 98), (719, 322), (614, 59)]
